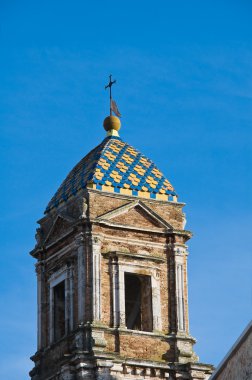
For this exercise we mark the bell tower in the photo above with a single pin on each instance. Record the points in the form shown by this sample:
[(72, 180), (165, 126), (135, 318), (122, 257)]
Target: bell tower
[(111, 264)]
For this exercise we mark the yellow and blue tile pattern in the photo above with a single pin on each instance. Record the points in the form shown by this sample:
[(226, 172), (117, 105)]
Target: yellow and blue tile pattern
[(117, 167)]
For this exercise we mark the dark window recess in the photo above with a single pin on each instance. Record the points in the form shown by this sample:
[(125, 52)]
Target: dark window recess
[(138, 302), (59, 310)]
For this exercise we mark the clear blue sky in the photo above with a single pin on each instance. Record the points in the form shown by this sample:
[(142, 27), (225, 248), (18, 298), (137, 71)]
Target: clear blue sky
[(184, 87)]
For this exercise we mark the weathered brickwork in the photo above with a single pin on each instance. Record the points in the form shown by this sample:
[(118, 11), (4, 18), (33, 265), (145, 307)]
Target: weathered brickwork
[(106, 203), (143, 347), (237, 365), (106, 293), (91, 242), (172, 213)]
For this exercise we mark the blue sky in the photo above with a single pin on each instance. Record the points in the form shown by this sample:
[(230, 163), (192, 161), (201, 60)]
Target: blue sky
[(184, 88)]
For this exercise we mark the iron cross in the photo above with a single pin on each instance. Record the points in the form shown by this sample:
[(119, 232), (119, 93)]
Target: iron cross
[(111, 82)]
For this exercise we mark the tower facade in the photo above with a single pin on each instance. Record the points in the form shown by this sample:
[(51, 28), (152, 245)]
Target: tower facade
[(112, 273)]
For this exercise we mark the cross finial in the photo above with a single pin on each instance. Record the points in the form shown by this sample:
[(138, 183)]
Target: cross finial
[(111, 82)]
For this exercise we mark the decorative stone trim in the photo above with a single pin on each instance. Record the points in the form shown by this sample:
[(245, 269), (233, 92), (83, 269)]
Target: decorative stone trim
[(40, 285), (180, 251), (135, 256), (96, 285), (60, 253), (115, 290), (160, 231), (81, 264), (141, 370)]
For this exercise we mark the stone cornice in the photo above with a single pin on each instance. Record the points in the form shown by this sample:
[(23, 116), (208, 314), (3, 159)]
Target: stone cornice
[(36, 252), (161, 231), (187, 234), (134, 256), (127, 227)]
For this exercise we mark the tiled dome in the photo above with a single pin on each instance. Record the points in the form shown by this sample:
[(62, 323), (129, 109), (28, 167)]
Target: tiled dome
[(117, 167)]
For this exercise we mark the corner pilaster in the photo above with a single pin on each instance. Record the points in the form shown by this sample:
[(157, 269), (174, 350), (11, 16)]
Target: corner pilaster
[(40, 305), (96, 277), (81, 260), (180, 339)]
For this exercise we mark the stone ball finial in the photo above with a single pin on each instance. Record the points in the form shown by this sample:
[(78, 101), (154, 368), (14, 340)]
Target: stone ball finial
[(112, 124)]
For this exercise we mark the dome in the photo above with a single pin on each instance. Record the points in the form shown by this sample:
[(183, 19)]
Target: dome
[(115, 166)]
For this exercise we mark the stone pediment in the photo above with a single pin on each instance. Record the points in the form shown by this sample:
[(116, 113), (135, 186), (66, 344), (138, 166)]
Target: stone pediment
[(135, 214), (61, 227)]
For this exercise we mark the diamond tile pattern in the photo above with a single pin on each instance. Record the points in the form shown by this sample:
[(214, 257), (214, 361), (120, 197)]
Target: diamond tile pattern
[(115, 166)]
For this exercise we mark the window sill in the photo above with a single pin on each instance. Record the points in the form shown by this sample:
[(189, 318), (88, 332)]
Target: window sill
[(140, 332)]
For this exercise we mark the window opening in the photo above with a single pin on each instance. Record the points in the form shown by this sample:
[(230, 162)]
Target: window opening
[(59, 310), (138, 302)]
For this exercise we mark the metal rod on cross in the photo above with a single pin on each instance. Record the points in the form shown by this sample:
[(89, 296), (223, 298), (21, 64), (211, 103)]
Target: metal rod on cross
[(110, 92)]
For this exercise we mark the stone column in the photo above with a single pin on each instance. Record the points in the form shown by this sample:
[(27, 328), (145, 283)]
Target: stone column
[(179, 257), (115, 290), (51, 315), (180, 297), (79, 240), (40, 284), (178, 308), (180, 339), (156, 303), (96, 272), (69, 299), (121, 310)]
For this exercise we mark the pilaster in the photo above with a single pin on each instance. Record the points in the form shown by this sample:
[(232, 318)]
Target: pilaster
[(96, 280), (180, 254), (180, 339), (156, 301), (81, 269), (115, 290), (40, 304)]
